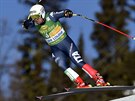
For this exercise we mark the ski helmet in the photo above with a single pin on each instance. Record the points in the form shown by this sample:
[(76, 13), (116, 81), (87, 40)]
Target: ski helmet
[(37, 11)]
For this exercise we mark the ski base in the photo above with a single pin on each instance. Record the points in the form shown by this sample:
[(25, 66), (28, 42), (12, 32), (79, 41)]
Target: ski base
[(102, 88), (73, 91)]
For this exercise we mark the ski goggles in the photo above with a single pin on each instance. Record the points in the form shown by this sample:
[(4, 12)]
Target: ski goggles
[(35, 16)]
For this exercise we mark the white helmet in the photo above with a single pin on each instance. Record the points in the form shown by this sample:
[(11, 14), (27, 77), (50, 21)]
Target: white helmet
[(37, 10)]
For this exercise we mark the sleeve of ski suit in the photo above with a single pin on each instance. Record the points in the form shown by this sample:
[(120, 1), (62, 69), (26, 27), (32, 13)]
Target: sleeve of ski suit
[(57, 15)]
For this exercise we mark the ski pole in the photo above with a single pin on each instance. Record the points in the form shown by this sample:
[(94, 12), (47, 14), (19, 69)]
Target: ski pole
[(112, 28)]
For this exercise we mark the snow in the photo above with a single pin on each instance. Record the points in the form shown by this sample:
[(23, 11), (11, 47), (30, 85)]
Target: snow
[(128, 98)]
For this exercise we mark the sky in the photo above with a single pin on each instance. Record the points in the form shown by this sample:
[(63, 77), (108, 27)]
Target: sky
[(77, 24), (13, 11)]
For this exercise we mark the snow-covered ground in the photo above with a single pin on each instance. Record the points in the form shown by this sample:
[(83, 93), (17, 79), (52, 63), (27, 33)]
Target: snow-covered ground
[(128, 98)]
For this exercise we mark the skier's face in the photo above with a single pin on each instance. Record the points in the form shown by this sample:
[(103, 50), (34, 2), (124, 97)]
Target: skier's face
[(39, 21)]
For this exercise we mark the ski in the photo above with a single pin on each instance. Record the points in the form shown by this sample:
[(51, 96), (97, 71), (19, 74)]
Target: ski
[(102, 88), (73, 91)]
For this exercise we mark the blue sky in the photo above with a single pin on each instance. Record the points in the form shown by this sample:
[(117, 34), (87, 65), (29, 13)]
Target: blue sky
[(77, 24), (13, 11)]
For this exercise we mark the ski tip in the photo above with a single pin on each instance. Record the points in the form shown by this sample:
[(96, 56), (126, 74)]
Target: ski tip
[(67, 89), (39, 97)]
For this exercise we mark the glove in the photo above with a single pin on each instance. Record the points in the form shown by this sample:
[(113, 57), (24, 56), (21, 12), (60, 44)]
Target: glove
[(26, 23), (68, 13)]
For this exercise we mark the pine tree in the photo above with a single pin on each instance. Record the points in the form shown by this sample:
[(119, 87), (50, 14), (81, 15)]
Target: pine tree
[(6, 49), (32, 73), (113, 49), (1, 92), (81, 48)]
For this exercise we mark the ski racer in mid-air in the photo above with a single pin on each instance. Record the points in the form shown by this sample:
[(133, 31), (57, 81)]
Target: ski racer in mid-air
[(61, 44)]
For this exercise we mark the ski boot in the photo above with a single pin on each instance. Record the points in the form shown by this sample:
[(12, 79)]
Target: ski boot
[(81, 84), (95, 75), (100, 81), (76, 78)]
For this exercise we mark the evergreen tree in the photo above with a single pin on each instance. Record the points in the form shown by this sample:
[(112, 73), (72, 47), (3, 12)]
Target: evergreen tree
[(32, 73), (81, 50), (113, 49), (1, 92), (7, 46)]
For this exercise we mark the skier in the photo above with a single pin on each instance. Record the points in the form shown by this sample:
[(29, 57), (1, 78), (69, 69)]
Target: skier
[(61, 44)]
